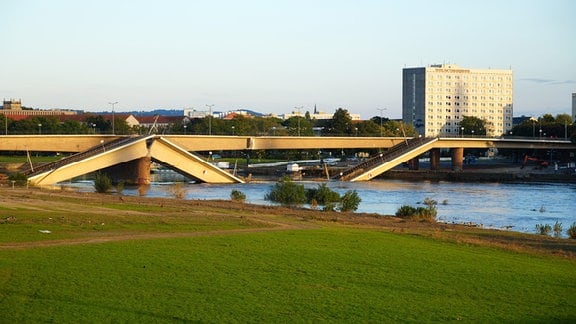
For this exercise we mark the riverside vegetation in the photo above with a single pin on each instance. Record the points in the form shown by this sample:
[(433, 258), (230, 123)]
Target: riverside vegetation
[(88, 257)]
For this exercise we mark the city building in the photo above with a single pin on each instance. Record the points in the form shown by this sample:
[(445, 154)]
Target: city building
[(574, 107), (317, 115), (13, 109), (436, 98)]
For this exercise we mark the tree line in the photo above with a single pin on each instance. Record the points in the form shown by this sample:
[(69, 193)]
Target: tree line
[(341, 124)]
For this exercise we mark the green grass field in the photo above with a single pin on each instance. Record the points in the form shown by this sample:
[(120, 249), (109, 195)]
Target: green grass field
[(320, 272)]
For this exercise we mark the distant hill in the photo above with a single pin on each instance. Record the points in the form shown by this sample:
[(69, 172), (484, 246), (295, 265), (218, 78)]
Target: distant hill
[(161, 112)]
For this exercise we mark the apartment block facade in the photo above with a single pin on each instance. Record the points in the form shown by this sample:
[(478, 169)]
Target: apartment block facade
[(573, 107), (436, 98)]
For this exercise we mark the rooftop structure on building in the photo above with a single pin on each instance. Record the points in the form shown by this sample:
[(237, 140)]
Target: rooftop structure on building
[(436, 98)]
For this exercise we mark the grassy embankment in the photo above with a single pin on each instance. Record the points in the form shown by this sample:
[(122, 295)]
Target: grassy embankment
[(166, 260)]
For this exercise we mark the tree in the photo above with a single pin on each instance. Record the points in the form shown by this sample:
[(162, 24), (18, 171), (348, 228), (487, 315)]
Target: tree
[(298, 126), (473, 125), (340, 124), (368, 128), (98, 123)]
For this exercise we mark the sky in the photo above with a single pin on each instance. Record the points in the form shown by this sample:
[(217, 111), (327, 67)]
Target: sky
[(273, 56)]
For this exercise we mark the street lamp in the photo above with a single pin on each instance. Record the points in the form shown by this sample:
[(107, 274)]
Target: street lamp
[(185, 129), (462, 132), (540, 133), (298, 108), (233, 130), (274, 131), (381, 110), (113, 104), (209, 119), (356, 129), (39, 129), (472, 133)]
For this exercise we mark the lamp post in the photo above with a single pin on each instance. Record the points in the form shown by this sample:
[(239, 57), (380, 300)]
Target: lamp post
[(209, 119), (298, 108), (540, 133), (462, 128), (185, 126), (113, 104), (233, 127), (356, 129), (39, 129), (472, 133), (274, 131), (381, 110)]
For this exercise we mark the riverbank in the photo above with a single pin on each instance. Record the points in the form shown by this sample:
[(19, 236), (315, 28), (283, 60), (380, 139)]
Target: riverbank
[(113, 211)]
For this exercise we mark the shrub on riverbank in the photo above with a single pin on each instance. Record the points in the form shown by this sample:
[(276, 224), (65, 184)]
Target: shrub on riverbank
[(425, 214), (543, 229), (102, 183), (571, 231), (237, 195), (288, 193)]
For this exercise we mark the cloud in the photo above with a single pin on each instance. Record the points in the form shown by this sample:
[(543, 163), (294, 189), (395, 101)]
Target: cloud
[(548, 81)]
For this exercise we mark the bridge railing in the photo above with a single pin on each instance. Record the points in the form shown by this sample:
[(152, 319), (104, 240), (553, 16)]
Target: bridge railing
[(98, 149), (392, 153)]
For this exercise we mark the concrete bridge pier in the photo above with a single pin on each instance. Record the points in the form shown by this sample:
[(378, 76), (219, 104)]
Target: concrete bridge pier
[(457, 158), (414, 164), (435, 159), (135, 172)]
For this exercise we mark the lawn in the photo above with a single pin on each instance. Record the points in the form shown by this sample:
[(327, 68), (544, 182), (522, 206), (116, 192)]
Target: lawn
[(309, 271)]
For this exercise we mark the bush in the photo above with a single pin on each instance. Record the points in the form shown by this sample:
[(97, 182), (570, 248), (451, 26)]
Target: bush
[(178, 190), (237, 195), (120, 187), (323, 195), (350, 201), (557, 229), (287, 193), (427, 214), (543, 229), (405, 211), (571, 231), (19, 179), (102, 183)]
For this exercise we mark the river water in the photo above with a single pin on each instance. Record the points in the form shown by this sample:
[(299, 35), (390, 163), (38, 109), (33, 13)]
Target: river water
[(514, 206)]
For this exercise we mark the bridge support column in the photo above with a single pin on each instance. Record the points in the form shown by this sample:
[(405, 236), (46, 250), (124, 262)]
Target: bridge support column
[(132, 172), (457, 158), (414, 164), (435, 159)]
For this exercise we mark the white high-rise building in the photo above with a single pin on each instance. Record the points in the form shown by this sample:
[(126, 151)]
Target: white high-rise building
[(573, 107), (436, 98)]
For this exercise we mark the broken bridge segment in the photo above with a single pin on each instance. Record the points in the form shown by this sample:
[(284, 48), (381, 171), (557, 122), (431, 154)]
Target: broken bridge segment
[(169, 154), (139, 149), (96, 158), (385, 161)]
